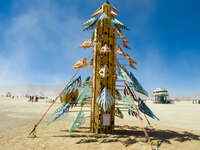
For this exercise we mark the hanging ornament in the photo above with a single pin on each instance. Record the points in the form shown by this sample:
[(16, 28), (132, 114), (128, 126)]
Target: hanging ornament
[(113, 13), (115, 9), (118, 113), (145, 109), (78, 121), (130, 59), (120, 51), (93, 25), (72, 87), (105, 49), (124, 39), (103, 16), (62, 114), (90, 21), (98, 11), (61, 106), (124, 76), (125, 45), (137, 86), (116, 22), (132, 112), (69, 96), (105, 99), (132, 66), (104, 72), (86, 92), (87, 44), (80, 64)]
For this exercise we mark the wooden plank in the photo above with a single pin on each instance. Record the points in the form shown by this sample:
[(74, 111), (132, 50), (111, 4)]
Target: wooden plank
[(110, 87), (97, 87), (93, 91), (104, 35), (114, 68)]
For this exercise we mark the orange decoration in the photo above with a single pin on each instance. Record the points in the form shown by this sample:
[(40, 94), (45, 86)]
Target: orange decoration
[(126, 46), (80, 64)]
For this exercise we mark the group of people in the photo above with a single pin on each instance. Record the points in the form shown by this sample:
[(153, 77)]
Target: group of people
[(33, 98)]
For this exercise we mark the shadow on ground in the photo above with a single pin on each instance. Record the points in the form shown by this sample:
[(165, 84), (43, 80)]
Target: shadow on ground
[(128, 135)]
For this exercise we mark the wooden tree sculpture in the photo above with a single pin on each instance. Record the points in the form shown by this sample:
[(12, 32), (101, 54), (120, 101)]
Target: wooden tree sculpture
[(101, 90), (104, 68)]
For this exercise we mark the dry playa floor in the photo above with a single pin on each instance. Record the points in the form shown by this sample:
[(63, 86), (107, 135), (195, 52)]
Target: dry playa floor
[(178, 129)]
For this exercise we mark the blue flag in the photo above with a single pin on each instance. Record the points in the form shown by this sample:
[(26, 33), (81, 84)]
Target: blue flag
[(61, 114), (137, 86), (145, 109)]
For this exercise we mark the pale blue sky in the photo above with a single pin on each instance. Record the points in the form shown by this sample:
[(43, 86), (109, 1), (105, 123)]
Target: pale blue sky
[(39, 41)]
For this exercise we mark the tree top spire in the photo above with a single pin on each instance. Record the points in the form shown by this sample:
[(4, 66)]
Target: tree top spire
[(107, 1)]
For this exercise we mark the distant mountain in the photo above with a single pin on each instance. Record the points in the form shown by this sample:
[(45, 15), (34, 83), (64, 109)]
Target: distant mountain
[(39, 90), (53, 90)]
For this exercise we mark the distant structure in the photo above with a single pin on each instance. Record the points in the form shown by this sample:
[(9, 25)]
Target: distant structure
[(9, 94), (196, 101), (161, 96)]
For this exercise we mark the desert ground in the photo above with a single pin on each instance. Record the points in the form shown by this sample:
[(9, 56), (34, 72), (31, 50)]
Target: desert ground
[(178, 129)]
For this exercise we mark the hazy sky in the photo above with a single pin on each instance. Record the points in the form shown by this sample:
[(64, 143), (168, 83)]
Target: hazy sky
[(39, 41)]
